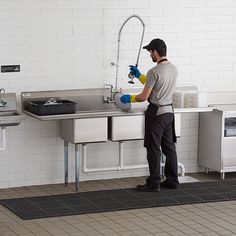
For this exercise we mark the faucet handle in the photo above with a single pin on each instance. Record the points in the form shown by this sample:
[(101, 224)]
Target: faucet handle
[(108, 86), (109, 97), (3, 103), (2, 91)]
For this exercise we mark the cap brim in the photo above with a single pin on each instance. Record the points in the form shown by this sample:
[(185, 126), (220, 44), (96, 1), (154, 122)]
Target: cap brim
[(147, 47)]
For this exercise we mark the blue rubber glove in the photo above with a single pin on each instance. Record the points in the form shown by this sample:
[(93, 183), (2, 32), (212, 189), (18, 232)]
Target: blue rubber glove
[(134, 71), (125, 98)]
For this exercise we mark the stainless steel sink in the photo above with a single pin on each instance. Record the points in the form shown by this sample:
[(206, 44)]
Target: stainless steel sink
[(9, 114), (10, 118)]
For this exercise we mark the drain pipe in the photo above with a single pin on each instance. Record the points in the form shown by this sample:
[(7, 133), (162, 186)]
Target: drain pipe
[(181, 166), (84, 162), (121, 162), (4, 141)]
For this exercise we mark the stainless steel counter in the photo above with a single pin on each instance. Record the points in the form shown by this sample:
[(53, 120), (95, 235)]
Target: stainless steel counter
[(111, 113), (87, 114), (90, 104)]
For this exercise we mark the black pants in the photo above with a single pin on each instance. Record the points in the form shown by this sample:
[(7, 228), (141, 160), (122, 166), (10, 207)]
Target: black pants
[(160, 136)]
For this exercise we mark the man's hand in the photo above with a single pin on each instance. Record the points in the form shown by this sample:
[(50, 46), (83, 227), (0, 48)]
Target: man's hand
[(134, 71), (125, 98)]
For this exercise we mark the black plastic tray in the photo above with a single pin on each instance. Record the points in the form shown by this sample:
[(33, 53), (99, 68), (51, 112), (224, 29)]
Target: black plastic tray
[(38, 107)]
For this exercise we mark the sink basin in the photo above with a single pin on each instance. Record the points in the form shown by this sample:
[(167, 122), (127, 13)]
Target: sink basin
[(10, 118), (106, 107)]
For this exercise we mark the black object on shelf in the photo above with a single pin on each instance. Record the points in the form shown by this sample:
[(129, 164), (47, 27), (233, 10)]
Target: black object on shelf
[(230, 127), (44, 108)]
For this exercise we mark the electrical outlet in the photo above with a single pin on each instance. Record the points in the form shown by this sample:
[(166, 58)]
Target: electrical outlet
[(10, 68)]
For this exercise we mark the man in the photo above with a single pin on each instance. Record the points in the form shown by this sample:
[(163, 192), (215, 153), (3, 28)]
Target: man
[(160, 136)]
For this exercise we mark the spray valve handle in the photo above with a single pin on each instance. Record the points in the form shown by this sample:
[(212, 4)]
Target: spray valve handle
[(131, 76)]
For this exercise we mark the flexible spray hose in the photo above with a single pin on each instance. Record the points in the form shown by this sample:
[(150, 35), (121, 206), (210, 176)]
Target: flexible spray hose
[(118, 51)]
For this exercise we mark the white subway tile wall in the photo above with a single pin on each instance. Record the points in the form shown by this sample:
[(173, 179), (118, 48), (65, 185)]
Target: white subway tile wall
[(69, 44)]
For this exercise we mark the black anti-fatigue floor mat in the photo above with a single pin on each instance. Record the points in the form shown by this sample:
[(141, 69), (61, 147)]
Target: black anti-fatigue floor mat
[(120, 199)]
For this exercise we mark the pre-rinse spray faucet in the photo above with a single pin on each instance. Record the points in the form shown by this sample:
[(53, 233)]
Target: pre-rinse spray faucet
[(109, 98), (118, 50)]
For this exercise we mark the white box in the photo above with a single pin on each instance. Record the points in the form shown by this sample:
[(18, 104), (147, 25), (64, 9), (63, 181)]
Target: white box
[(195, 99)]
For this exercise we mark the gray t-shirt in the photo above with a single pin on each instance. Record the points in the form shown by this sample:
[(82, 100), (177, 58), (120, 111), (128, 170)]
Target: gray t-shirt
[(162, 78)]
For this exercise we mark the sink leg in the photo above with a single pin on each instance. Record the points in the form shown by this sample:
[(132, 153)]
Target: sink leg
[(222, 175), (77, 162), (162, 166), (66, 144)]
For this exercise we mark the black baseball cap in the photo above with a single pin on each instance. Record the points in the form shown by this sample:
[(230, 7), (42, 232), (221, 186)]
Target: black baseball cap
[(158, 45)]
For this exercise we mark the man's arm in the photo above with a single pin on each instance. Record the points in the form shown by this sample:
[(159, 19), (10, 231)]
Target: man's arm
[(144, 95), (126, 98)]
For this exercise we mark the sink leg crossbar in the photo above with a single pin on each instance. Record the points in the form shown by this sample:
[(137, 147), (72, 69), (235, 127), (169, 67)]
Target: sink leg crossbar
[(83, 148)]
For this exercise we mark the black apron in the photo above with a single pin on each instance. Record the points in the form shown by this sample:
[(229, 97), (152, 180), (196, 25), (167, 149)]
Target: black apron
[(150, 115)]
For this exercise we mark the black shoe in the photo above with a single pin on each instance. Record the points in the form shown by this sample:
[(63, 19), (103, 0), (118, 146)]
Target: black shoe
[(166, 184), (147, 188)]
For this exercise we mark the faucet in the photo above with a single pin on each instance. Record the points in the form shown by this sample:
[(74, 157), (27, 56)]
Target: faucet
[(118, 50), (110, 97), (2, 102)]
